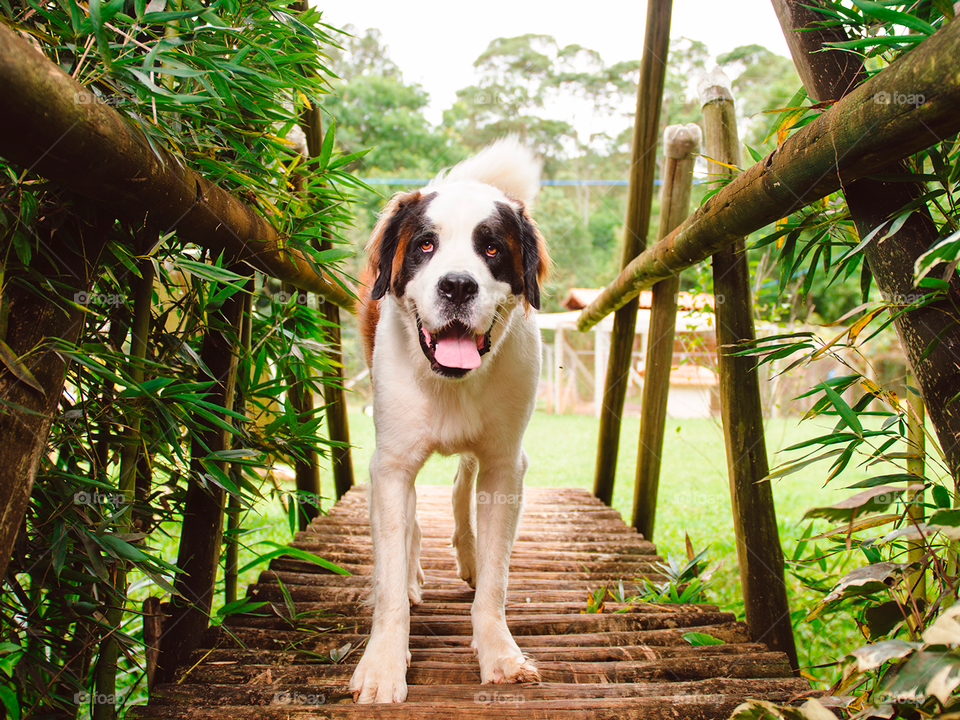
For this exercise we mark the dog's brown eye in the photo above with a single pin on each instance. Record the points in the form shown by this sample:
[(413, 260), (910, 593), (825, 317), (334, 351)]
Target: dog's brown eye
[(492, 251), (426, 246)]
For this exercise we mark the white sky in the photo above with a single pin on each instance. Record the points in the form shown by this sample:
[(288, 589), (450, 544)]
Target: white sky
[(435, 43)]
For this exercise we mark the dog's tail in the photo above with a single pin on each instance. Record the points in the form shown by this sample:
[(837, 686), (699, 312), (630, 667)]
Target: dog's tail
[(506, 164)]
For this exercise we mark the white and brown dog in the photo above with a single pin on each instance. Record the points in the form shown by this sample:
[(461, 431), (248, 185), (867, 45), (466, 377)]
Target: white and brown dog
[(450, 333)]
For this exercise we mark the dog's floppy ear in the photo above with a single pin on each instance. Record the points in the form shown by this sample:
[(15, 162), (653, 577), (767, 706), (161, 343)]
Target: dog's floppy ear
[(385, 242), (533, 255)]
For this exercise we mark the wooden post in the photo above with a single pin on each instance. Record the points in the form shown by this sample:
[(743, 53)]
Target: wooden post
[(558, 342), (202, 528), (601, 346), (754, 517), (681, 143), (916, 465), (29, 325), (106, 671), (334, 394), (856, 137), (307, 468), (646, 128), (232, 551)]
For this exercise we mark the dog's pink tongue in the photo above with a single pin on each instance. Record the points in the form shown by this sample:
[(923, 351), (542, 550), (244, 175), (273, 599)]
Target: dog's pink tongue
[(457, 351)]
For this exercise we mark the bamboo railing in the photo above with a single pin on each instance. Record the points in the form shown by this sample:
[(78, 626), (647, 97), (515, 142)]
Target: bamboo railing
[(101, 156), (53, 126), (854, 138)]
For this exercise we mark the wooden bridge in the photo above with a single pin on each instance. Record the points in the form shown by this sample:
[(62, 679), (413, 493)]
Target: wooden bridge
[(629, 661)]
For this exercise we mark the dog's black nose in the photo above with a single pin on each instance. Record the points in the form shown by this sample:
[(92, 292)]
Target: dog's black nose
[(458, 287)]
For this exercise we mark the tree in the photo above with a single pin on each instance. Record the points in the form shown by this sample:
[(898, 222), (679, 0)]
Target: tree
[(378, 112), (521, 81)]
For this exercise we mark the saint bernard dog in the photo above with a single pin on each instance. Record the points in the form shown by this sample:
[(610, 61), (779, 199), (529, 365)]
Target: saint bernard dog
[(448, 318)]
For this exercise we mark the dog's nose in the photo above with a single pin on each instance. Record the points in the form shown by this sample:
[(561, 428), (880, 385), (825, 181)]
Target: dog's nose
[(458, 287)]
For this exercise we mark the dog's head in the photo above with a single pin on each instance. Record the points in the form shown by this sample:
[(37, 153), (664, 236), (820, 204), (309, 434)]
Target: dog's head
[(461, 254)]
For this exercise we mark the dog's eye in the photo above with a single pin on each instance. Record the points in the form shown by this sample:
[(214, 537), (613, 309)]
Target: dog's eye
[(492, 250), (426, 246)]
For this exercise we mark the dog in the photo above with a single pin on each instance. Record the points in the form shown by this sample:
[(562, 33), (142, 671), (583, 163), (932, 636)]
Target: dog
[(448, 324)]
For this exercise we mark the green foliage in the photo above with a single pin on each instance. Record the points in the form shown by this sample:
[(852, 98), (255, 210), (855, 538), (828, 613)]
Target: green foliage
[(221, 88), (685, 582), (888, 558)]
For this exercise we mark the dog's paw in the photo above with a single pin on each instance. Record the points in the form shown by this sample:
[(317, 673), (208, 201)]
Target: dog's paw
[(510, 668), (466, 551), (414, 585), (380, 678)]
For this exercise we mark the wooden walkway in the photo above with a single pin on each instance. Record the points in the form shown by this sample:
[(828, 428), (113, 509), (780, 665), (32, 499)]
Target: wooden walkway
[(633, 664)]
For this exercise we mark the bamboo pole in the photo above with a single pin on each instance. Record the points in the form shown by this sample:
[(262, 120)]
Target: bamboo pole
[(916, 465), (231, 539), (102, 157), (681, 144), (334, 394), (856, 137), (106, 671), (643, 166), (306, 467), (201, 531), (754, 516)]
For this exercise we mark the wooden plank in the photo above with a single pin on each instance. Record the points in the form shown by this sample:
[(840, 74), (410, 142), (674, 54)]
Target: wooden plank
[(776, 690), (547, 624), (323, 643), (615, 664), (432, 672)]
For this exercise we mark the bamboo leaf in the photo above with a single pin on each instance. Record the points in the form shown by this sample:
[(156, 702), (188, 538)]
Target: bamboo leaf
[(885, 14), (16, 366), (849, 417), (876, 499)]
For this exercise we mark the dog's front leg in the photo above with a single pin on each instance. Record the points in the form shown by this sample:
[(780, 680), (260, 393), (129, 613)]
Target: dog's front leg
[(499, 502), (381, 674)]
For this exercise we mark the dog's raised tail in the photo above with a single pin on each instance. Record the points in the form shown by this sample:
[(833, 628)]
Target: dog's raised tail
[(506, 164)]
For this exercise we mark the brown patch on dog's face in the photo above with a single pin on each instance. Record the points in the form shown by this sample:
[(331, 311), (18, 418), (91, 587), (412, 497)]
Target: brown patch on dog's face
[(402, 223), (513, 234)]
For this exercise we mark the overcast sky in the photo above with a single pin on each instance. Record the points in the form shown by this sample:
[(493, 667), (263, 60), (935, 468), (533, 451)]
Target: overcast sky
[(435, 43)]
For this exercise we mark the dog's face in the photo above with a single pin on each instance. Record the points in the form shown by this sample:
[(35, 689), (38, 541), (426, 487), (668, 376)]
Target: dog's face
[(458, 259)]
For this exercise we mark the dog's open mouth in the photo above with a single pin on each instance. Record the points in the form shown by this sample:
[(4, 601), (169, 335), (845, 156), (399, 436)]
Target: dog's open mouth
[(454, 349)]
